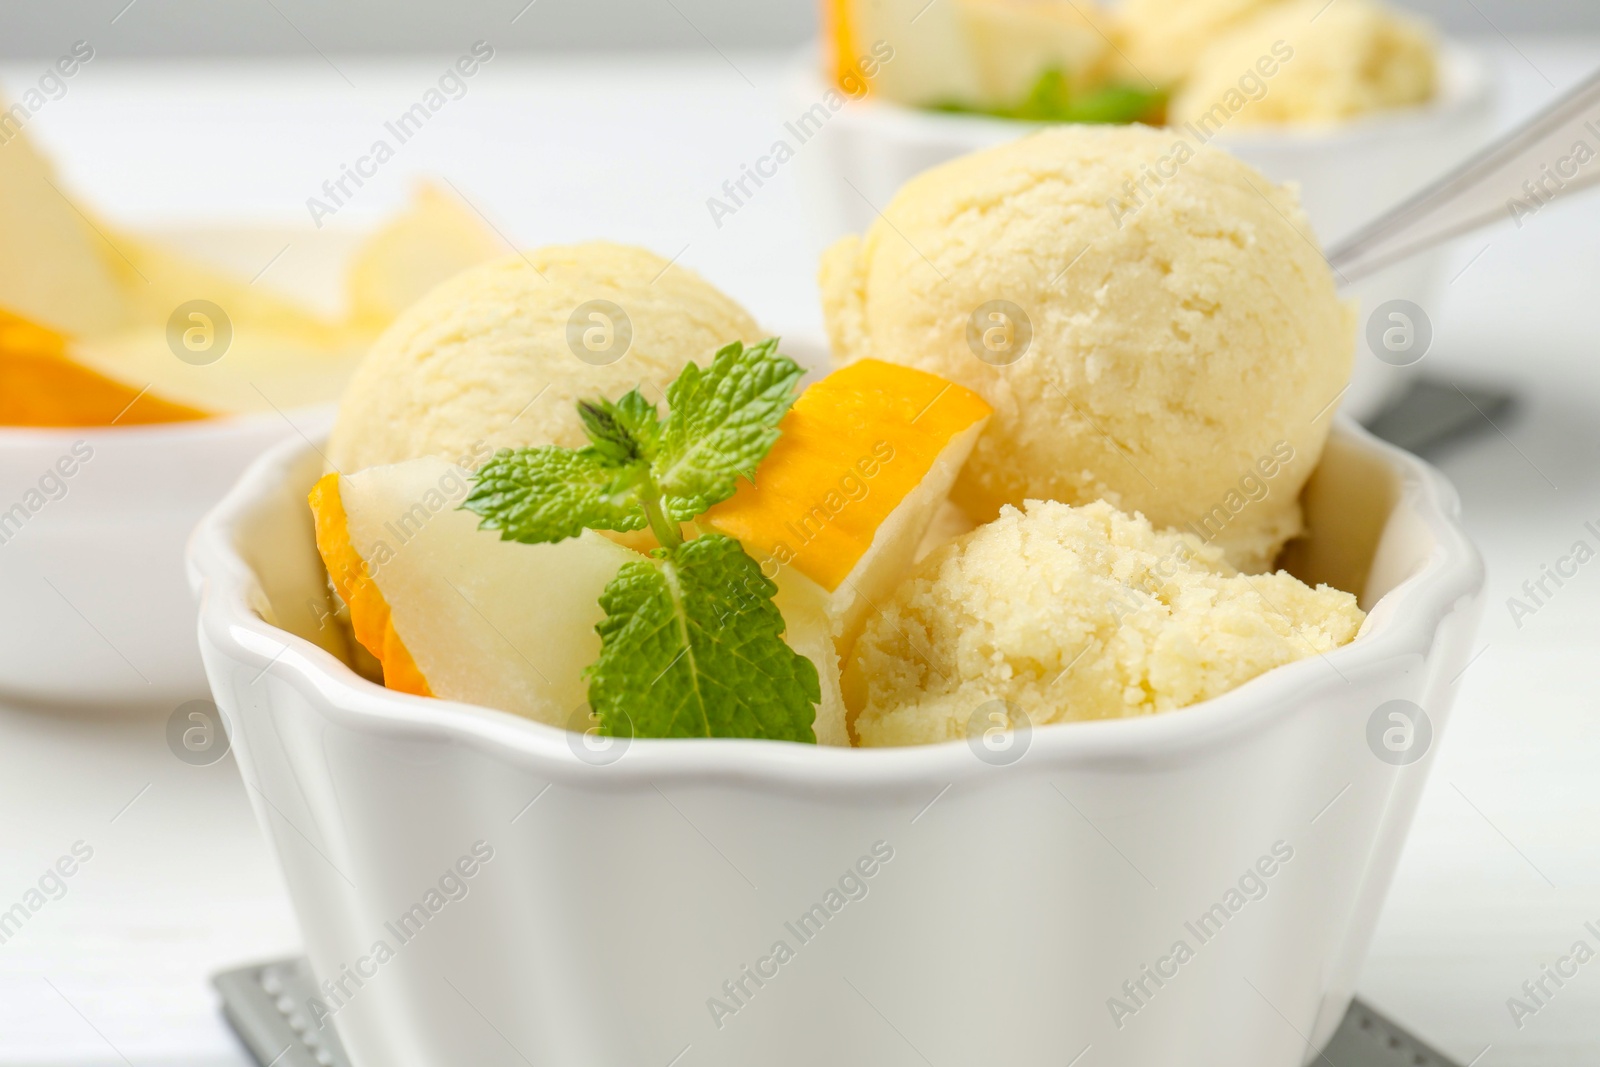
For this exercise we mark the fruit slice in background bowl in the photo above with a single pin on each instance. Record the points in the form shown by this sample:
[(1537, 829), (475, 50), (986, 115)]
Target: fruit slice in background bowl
[(264, 368), (41, 386), (92, 560), (99, 326)]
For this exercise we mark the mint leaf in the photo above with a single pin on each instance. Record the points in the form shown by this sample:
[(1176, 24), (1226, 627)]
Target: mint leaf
[(1119, 104), (1048, 99), (722, 422), (692, 646), (622, 432), (1051, 99), (691, 642), (538, 495)]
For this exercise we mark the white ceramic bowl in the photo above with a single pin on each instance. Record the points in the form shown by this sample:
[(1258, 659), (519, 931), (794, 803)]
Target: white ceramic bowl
[(986, 905), (1347, 174), (91, 567), (93, 524)]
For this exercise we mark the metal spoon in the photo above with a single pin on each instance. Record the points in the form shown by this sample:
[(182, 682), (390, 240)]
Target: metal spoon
[(1514, 178)]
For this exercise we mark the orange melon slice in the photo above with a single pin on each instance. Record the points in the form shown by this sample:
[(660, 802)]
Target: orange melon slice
[(865, 462), (53, 265), (370, 617), (839, 37), (86, 310), (40, 386), (454, 612)]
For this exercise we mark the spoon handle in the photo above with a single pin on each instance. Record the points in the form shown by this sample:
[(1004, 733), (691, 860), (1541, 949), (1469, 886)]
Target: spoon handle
[(1552, 155)]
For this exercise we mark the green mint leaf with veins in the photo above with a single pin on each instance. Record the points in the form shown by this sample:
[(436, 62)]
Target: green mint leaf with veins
[(722, 421), (623, 432), (692, 646), (538, 495)]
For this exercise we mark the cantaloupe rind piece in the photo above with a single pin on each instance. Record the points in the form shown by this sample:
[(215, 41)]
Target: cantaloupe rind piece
[(866, 458), (370, 617), (434, 238), (40, 386), (454, 612), (53, 267)]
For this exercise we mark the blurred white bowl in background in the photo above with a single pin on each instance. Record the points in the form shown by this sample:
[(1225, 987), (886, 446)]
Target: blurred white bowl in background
[(851, 167), (97, 611)]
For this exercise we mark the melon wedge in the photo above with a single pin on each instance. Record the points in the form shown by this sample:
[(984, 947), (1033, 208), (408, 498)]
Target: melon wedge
[(85, 310), (40, 386), (1015, 41), (454, 612), (808, 629), (53, 265), (436, 237), (931, 62), (977, 53), (132, 376), (865, 461), (263, 369), (157, 279)]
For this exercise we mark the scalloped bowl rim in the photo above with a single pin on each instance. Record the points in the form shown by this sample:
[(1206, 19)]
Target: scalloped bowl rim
[(223, 580)]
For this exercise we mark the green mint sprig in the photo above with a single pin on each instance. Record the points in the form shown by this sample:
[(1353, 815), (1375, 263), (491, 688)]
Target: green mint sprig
[(691, 644), (1052, 99)]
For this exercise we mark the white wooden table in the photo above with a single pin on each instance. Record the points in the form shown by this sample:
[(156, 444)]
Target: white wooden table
[(1503, 868)]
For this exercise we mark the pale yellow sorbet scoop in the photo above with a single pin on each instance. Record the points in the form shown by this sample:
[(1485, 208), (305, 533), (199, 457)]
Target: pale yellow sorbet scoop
[(1058, 614), (499, 355), (1328, 63), (1152, 322)]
